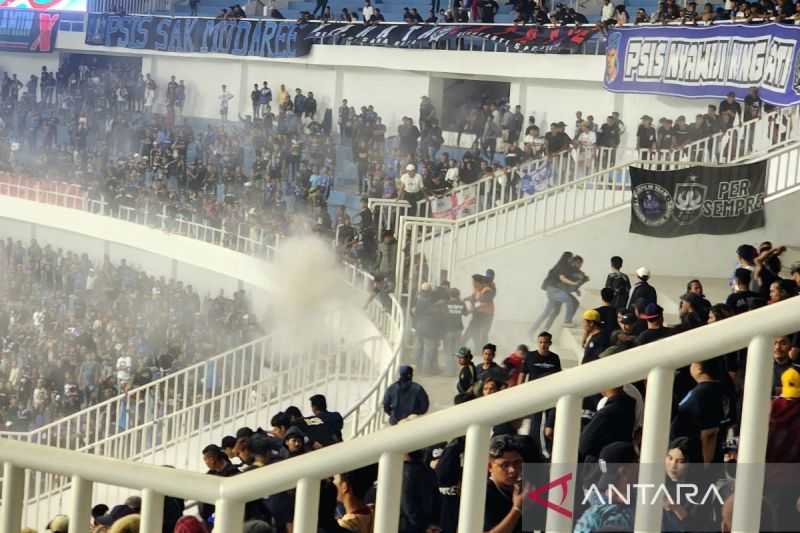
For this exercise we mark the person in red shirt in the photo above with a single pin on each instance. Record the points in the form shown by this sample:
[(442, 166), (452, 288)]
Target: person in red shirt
[(783, 446)]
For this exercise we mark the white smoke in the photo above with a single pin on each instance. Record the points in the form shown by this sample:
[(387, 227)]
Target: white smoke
[(310, 291)]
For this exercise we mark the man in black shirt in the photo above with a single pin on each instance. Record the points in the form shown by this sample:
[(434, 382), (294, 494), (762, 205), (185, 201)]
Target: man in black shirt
[(730, 104), (467, 374), (741, 298), (752, 104), (613, 423), (646, 135), (654, 315), (666, 137), (713, 122), (218, 465), (704, 414), (538, 364), (542, 362), (332, 419), (504, 492), (609, 138), (607, 312)]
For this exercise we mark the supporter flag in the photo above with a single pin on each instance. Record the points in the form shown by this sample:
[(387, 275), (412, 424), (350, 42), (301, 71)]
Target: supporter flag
[(710, 200), (536, 181)]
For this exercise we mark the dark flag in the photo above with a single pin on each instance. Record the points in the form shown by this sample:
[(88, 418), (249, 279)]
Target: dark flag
[(710, 200)]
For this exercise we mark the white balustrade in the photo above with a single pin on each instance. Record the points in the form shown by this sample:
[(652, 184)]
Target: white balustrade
[(655, 361)]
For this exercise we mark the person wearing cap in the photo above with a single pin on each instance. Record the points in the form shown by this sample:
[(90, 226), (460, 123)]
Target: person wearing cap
[(295, 441), (428, 329), (404, 397), (505, 493), (59, 524), (606, 513), (645, 136), (467, 373), (595, 339), (624, 337), (654, 315), (693, 312), (411, 187), (276, 508), (782, 447), (643, 290)]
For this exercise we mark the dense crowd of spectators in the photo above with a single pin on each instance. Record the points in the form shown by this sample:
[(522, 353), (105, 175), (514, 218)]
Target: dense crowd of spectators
[(671, 11), (124, 138), (703, 434), (74, 333)]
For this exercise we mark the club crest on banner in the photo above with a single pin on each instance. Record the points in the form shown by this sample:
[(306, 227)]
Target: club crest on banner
[(689, 198), (652, 204)]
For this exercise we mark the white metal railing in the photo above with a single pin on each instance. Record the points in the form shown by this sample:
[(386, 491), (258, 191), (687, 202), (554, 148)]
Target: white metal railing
[(207, 396), (756, 135), (655, 362), (247, 238)]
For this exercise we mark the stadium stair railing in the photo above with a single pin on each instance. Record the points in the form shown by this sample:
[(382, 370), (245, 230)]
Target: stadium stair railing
[(656, 362)]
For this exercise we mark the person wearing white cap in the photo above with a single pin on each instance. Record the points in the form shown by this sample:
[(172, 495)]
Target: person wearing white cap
[(643, 290), (411, 187)]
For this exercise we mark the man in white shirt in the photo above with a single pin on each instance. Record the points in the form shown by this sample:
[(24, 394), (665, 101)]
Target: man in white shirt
[(411, 188), (124, 367), (367, 10), (224, 98), (608, 11)]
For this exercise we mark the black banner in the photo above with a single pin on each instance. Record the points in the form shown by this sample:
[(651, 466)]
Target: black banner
[(267, 38), (710, 200), (276, 38), (28, 30), (516, 38)]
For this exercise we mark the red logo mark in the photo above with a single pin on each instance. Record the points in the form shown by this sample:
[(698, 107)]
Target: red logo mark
[(563, 482), (47, 21)]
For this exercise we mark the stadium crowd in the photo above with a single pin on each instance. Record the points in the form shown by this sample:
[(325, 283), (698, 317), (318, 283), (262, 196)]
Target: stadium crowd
[(74, 333), (704, 431)]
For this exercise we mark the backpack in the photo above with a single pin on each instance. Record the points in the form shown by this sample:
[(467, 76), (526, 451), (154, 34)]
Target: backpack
[(621, 285)]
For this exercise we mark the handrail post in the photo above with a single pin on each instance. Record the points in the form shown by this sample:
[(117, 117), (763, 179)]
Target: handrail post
[(655, 433), (13, 494), (81, 505), (387, 499), (152, 510), (566, 435), (306, 505), (229, 515), (473, 479), (747, 499)]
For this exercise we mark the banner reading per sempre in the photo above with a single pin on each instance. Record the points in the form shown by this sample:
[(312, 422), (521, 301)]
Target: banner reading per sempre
[(704, 62), (710, 200)]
